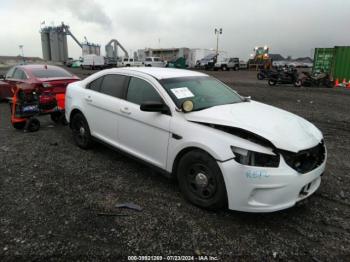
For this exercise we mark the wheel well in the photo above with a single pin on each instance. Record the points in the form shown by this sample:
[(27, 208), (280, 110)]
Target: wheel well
[(181, 154), (72, 114)]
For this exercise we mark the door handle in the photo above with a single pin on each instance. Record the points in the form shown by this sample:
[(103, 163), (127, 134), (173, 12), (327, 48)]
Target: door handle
[(88, 99), (125, 111)]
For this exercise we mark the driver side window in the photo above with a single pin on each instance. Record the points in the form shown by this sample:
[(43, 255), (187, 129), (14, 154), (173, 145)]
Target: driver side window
[(140, 91)]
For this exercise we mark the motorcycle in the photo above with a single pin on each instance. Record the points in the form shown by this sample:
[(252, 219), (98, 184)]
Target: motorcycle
[(265, 74), (316, 80), (290, 76)]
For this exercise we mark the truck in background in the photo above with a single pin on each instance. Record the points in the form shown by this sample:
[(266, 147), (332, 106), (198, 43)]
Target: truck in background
[(127, 61), (226, 64), (154, 61), (93, 62)]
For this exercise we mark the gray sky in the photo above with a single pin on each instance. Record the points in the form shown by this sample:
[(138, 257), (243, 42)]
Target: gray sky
[(289, 27)]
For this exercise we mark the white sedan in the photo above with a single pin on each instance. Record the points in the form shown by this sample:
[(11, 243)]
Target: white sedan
[(225, 150)]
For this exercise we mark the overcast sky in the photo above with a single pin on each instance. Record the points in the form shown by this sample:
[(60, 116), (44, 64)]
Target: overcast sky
[(289, 27)]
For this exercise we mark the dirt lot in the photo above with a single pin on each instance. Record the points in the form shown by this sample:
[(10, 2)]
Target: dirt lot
[(52, 195)]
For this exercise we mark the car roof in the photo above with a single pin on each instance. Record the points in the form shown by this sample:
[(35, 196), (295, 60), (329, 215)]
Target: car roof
[(159, 72)]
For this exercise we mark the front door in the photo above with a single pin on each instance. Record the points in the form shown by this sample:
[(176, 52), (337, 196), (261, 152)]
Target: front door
[(143, 134)]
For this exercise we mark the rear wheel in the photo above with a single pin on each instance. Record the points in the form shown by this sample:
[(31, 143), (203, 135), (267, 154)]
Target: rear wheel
[(201, 181), (224, 68), (272, 82), (32, 125), (81, 131)]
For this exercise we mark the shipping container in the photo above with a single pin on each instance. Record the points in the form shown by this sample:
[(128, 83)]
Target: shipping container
[(341, 63), (323, 60)]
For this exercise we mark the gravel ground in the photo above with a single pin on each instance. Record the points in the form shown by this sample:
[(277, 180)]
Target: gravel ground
[(57, 201)]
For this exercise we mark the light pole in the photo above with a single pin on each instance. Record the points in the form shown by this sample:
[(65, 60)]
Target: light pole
[(217, 33), (21, 48)]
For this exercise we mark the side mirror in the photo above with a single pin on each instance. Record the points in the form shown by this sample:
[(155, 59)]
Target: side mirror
[(150, 106)]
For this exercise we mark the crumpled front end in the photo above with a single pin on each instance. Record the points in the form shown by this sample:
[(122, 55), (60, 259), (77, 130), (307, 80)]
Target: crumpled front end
[(265, 189)]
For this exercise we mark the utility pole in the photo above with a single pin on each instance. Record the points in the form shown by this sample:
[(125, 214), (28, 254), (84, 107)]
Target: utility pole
[(21, 48), (217, 33)]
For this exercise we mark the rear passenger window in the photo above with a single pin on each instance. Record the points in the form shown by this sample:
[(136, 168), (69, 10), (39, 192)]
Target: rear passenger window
[(96, 84), (140, 91), (19, 74), (113, 85)]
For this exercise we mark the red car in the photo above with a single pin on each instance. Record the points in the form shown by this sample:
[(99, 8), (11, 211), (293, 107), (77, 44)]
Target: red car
[(42, 78)]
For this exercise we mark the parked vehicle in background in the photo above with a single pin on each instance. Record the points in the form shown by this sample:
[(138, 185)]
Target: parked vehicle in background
[(226, 64), (154, 62), (287, 76), (42, 78), (69, 62), (243, 64), (224, 149), (315, 80), (93, 62), (196, 55), (207, 62), (266, 74), (127, 61)]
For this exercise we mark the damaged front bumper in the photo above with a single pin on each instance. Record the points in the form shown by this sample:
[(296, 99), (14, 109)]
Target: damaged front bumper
[(260, 189)]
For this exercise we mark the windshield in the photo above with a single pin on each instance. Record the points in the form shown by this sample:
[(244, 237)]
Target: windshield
[(208, 57), (50, 73), (203, 91)]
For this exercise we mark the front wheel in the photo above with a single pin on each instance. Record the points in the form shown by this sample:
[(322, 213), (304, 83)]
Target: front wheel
[(297, 83), (32, 125), (201, 181), (272, 82), (81, 131)]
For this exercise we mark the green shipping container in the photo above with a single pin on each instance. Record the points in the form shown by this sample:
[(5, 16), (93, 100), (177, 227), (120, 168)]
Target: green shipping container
[(323, 60), (341, 63)]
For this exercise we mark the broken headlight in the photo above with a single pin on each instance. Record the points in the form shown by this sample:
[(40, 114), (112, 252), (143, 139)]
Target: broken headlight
[(251, 158)]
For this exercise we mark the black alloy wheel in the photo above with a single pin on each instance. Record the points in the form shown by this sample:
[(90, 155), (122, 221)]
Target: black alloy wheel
[(201, 181), (81, 131)]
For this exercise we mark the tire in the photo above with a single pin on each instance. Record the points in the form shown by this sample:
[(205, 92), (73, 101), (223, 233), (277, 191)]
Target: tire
[(224, 68), (272, 82), (297, 83), (32, 125), (81, 131), (201, 181), (260, 76), (19, 125)]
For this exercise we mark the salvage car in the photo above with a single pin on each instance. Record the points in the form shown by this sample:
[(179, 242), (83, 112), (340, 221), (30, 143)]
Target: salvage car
[(43, 78), (224, 149)]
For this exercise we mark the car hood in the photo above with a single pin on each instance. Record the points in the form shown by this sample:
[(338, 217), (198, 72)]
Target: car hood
[(283, 129)]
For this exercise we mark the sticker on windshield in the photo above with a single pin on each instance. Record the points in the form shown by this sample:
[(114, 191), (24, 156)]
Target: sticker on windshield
[(182, 92)]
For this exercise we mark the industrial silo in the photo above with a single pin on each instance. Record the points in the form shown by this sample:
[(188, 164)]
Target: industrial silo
[(62, 44), (54, 45), (45, 44), (65, 47)]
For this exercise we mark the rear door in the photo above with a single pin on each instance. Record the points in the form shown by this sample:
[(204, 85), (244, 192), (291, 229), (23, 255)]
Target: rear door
[(102, 106), (143, 134)]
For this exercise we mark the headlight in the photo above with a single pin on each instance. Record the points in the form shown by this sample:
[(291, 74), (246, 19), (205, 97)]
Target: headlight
[(251, 158)]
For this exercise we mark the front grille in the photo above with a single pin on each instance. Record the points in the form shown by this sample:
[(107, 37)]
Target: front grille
[(306, 160)]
